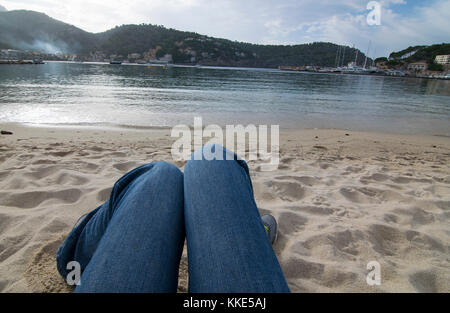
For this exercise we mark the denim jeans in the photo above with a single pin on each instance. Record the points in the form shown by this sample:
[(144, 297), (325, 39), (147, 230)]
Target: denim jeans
[(134, 241)]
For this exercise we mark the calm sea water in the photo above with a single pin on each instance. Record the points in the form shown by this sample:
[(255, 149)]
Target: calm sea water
[(131, 95)]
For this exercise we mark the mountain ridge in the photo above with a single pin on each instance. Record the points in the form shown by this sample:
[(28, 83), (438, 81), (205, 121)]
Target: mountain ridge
[(30, 30)]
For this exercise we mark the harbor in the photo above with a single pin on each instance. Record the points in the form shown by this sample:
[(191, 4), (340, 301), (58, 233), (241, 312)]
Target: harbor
[(21, 62)]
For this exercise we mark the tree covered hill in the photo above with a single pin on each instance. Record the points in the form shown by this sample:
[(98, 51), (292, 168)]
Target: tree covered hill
[(29, 30), (429, 53), (421, 53), (401, 59)]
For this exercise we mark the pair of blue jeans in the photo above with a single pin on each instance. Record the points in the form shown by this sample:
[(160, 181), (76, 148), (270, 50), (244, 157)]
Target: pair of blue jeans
[(134, 241)]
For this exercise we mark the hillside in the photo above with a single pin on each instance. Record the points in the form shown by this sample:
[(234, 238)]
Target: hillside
[(430, 52), (28, 30), (405, 52), (419, 53)]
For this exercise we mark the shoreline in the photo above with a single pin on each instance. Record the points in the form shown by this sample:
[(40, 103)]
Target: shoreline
[(252, 68), (17, 62), (137, 128)]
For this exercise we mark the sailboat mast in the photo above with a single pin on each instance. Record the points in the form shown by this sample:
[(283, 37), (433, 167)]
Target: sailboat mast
[(365, 61), (343, 56), (374, 56)]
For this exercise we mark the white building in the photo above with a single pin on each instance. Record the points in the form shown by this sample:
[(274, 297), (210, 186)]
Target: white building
[(418, 66), (166, 58), (443, 59), (134, 56)]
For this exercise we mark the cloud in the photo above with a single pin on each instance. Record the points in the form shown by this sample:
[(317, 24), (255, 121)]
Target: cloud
[(404, 22), (427, 25), (2, 8)]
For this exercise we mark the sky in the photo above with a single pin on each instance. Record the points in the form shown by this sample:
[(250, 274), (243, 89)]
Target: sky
[(402, 23)]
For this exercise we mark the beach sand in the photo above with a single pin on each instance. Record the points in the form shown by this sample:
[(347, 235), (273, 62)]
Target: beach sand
[(341, 198)]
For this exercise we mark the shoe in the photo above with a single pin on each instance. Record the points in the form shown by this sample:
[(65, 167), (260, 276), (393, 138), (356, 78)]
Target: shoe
[(270, 224)]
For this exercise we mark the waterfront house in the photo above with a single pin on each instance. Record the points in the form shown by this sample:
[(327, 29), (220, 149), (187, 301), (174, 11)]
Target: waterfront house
[(418, 66)]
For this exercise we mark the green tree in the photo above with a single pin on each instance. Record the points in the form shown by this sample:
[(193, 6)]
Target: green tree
[(435, 67)]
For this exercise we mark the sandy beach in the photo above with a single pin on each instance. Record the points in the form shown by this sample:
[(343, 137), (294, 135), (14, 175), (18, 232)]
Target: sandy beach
[(341, 198)]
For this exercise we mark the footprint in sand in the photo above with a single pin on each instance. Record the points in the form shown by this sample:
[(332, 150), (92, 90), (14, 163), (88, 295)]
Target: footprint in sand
[(311, 209), (104, 194), (408, 180), (32, 199), (125, 166), (376, 177), (70, 178), (296, 267), (391, 218), (44, 161), (117, 154), (289, 190), (42, 172), (60, 153), (306, 180), (11, 244), (354, 195), (97, 149), (422, 217), (290, 222), (424, 241), (423, 281)]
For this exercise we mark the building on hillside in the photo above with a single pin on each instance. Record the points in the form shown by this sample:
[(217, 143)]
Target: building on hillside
[(10, 54), (443, 59), (167, 58), (291, 68), (382, 65), (134, 56), (97, 56), (418, 66), (151, 53)]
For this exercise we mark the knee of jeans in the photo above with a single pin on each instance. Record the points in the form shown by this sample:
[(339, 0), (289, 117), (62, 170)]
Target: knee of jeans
[(201, 158), (151, 175), (167, 169), (163, 170)]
